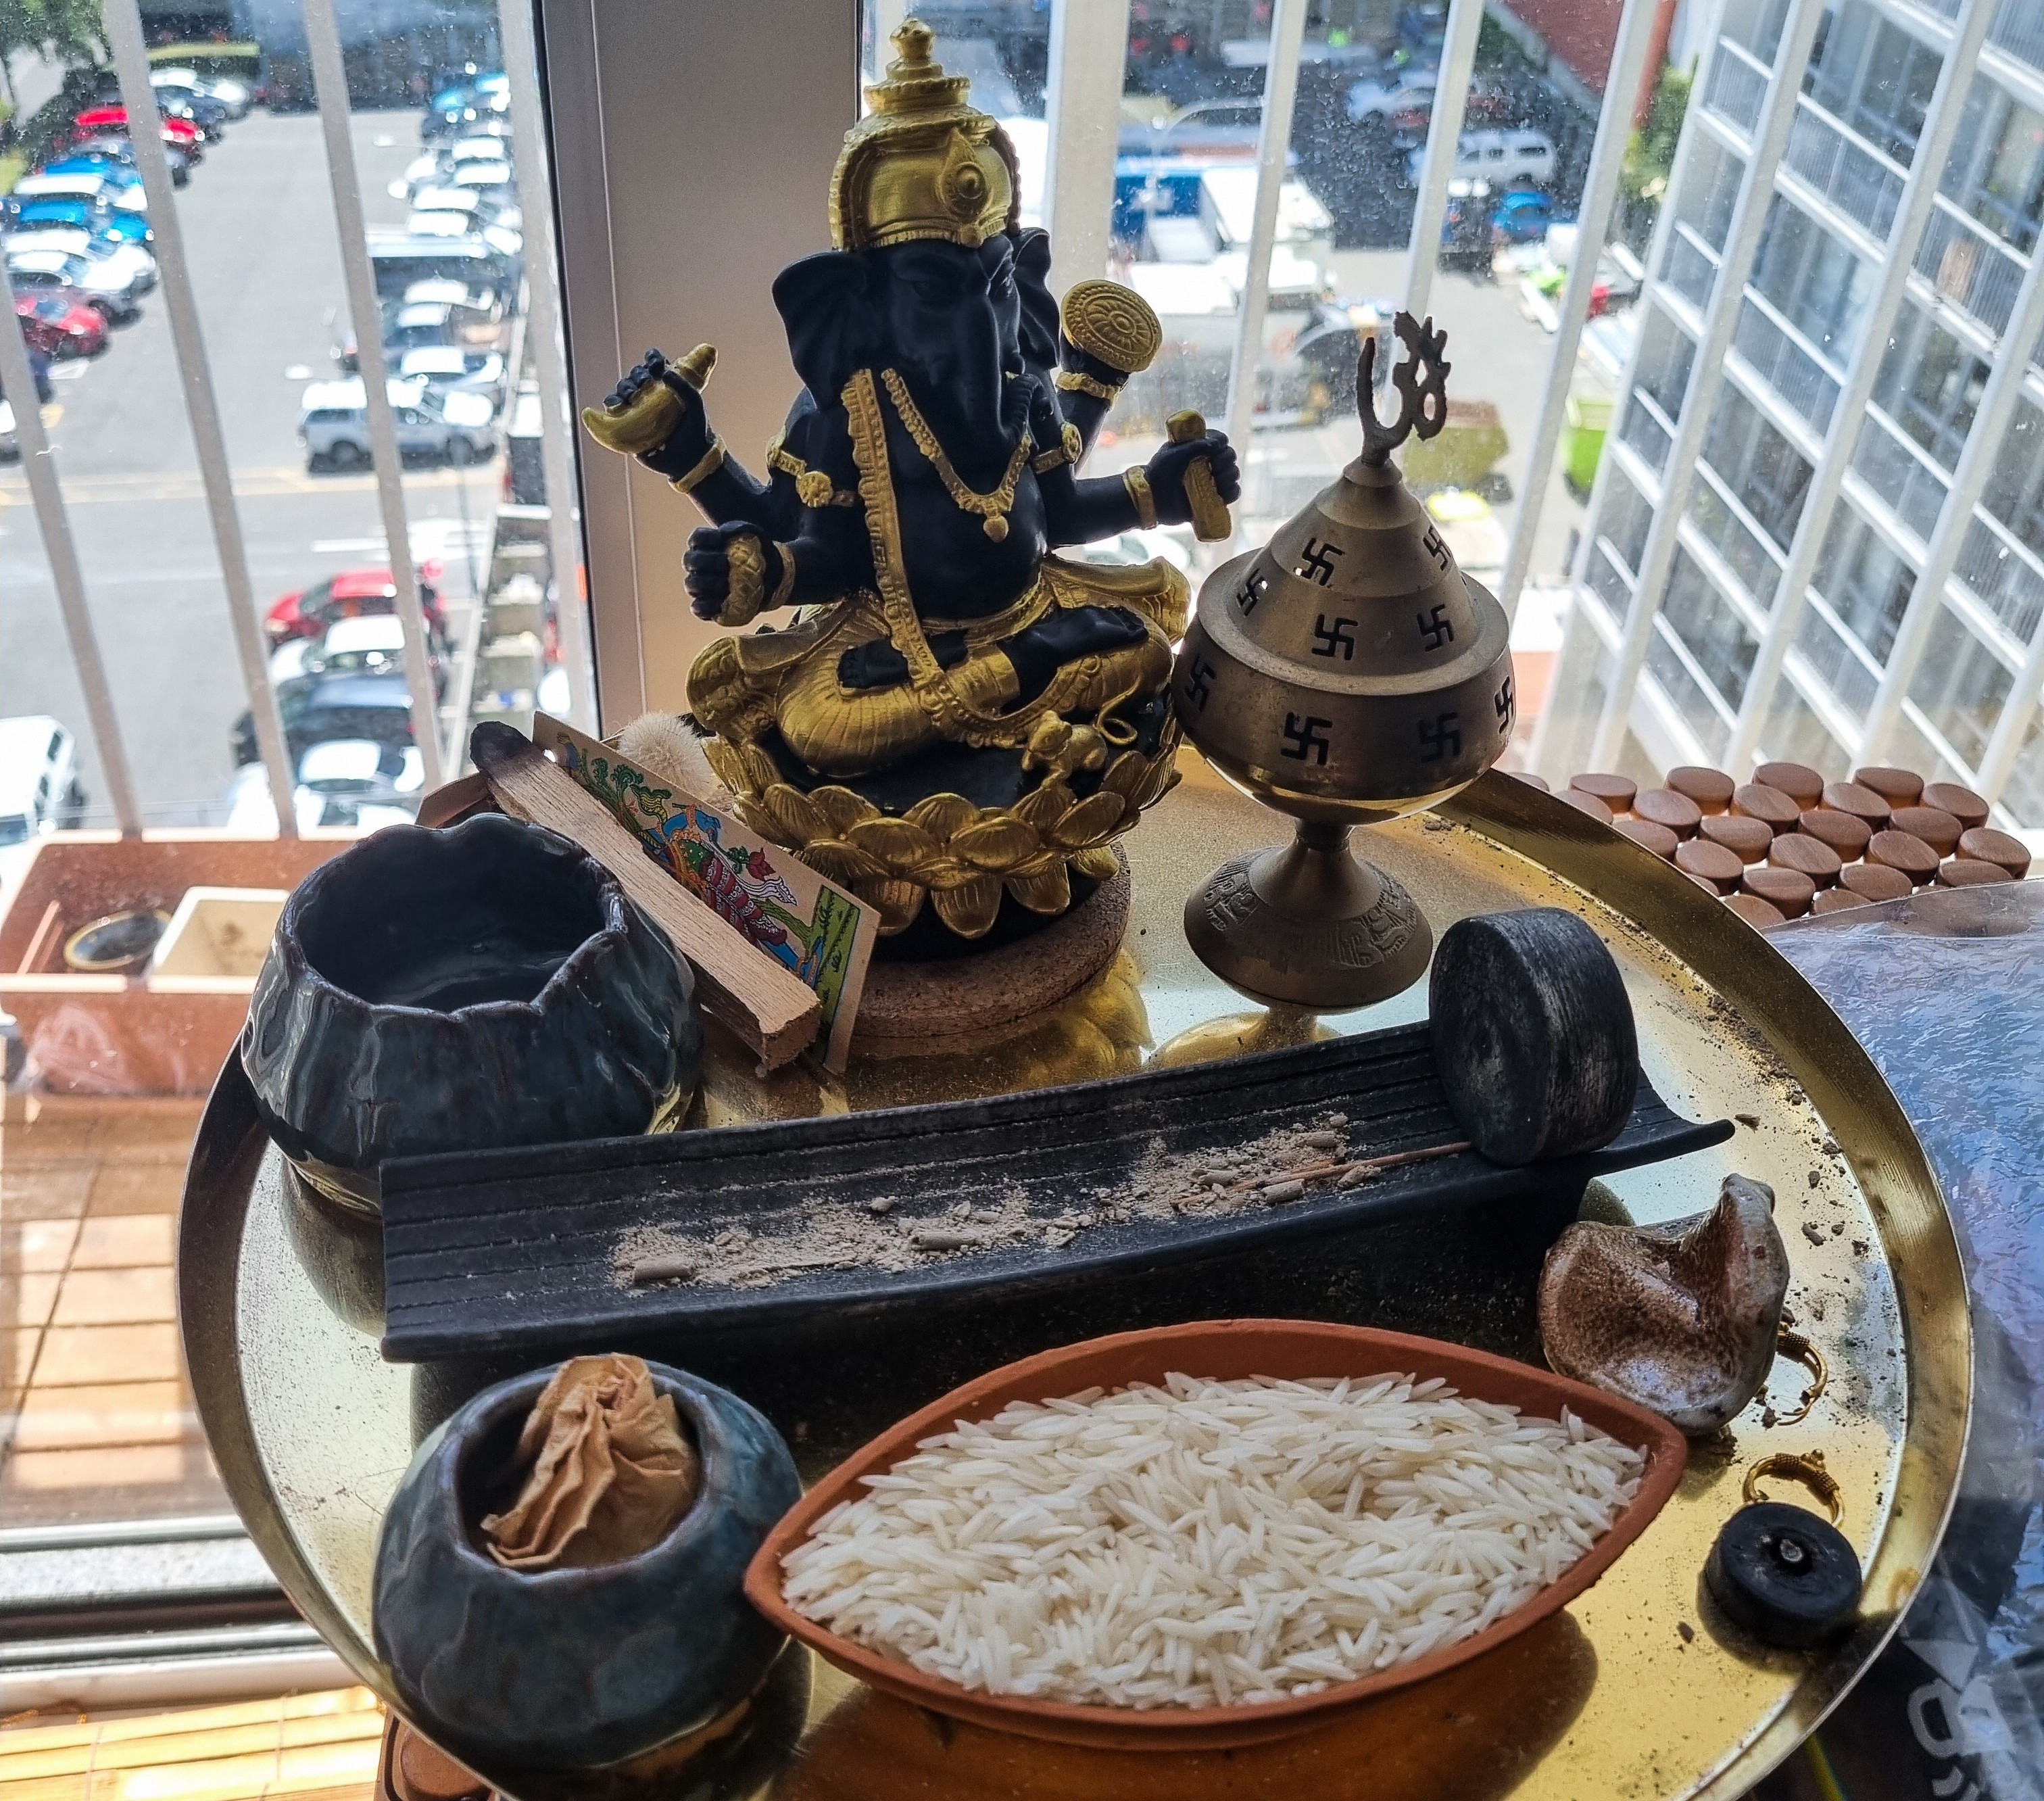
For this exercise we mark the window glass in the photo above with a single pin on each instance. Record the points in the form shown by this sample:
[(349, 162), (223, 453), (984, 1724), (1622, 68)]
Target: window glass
[(1995, 172), (1819, 285), (1960, 685), (1867, 584), (1929, 384), (1710, 626), (1876, 77), (1760, 466), (1794, 733)]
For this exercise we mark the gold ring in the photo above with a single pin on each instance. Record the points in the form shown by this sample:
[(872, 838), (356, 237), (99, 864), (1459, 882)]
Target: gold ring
[(1807, 1469), (1797, 1349)]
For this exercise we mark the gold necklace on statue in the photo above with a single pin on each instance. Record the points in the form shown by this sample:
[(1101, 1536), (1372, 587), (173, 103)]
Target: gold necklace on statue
[(992, 508)]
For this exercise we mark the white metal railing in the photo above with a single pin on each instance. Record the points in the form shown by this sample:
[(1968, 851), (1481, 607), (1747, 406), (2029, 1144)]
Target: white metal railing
[(1901, 472), (1795, 372), (2019, 28), (1840, 165), (1969, 266), (1738, 86), (2003, 574)]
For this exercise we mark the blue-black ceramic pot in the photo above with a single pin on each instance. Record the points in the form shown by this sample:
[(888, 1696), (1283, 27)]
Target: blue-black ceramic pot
[(487, 985), (573, 1668)]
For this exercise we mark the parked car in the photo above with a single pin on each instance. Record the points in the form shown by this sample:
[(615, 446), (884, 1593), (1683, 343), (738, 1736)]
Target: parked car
[(334, 424), (233, 96), (1379, 97), (370, 644), (1495, 156), (308, 612), (39, 788), (321, 709), (93, 220), (10, 441), (421, 325), (1522, 216), (123, 180), (96, 191), (182, 132), (1466, 230), (114, 293), (451, 368), (60, 324), (340, 781), (116, 149), (494, 185), (181, 103), (237, 97), (90, 218), (456, 112), (402, 260), (112, 256)]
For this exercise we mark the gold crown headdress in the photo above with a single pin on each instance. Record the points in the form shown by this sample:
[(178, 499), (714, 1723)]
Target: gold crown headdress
[(923, 163)]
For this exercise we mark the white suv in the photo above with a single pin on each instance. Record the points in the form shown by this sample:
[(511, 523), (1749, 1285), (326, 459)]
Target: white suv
[(39, 790), (1498, 157), (333, 424)]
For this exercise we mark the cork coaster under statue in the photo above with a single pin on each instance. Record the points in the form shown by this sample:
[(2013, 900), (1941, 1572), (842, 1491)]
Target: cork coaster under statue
[(956, 723)]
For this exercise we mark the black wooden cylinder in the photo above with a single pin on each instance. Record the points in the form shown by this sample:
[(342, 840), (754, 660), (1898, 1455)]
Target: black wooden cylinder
[(1533, 1035)]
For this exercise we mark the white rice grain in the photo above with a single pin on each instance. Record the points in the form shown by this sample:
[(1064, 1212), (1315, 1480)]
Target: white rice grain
[(1209, 1543)]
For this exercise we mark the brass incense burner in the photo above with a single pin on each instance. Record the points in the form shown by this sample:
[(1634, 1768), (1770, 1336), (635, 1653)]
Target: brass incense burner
[(1347, 673)]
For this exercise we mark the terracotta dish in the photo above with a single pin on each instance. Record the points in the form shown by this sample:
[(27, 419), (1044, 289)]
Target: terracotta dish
[(1228, 1349)]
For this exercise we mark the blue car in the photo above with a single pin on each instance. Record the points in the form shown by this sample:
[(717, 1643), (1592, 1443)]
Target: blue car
[(1523, 215), (103, 222), (122, 174)]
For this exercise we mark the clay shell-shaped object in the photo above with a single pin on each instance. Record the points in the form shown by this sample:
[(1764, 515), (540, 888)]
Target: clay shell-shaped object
[(1533, 1035), (1678, 1318)]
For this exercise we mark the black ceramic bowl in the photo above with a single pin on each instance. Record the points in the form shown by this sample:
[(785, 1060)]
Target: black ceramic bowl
[(571, 1669), (461, 990)]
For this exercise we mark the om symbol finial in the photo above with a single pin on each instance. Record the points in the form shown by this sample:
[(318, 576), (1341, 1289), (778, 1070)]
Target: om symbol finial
[(1421, 381)]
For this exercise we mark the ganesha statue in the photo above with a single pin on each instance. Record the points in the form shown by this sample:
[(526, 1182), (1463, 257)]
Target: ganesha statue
[(953, 715)]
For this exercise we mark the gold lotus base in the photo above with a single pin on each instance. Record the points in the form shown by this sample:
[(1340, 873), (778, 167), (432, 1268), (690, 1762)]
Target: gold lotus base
[(1309, 925)]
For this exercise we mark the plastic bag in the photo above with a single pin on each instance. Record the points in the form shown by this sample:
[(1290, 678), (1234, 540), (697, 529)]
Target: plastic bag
[(1946, 990)]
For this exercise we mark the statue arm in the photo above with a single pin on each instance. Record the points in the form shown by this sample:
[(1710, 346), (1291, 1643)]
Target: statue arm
[(1081, 512), (690, 454)]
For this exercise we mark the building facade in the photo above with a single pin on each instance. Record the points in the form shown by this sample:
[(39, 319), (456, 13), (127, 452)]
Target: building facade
[(1818, 528)]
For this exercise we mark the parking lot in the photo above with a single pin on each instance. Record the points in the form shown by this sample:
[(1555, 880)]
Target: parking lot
[(258, 220)]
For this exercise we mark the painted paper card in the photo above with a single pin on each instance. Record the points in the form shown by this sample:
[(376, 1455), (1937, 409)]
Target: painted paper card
[(787, 911)]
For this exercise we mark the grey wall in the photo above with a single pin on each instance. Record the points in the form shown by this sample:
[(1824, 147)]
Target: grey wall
[(693, 143)]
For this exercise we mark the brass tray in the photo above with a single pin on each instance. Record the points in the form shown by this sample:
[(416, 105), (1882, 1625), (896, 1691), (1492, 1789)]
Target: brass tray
[(1629, 1691)]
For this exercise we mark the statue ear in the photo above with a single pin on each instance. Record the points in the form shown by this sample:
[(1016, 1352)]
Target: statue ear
[(1040, 310), (829, 305)]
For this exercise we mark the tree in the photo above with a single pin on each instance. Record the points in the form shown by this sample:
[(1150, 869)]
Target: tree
[(72, 31)]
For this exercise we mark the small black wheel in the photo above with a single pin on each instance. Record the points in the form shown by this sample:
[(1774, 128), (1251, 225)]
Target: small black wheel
[(1784, 1574), (1533, 1035)]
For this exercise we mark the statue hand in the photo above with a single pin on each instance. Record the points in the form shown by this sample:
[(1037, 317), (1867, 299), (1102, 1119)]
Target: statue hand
[(656, 413), (725, 584), (1166, 473)]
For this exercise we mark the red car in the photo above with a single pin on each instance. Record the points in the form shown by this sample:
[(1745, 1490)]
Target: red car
[(308, 612), (182, 132), (58, 323)]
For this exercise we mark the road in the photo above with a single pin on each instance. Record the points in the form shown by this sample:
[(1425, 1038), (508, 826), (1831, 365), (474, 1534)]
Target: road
[(259, 225)]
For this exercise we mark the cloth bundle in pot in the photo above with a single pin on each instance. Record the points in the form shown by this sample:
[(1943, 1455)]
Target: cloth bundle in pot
[(571, 1666), (488, 985)]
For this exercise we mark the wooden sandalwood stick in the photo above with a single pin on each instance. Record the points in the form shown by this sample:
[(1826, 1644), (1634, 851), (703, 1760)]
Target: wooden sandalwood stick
[(741, 987), (1364, 1166)]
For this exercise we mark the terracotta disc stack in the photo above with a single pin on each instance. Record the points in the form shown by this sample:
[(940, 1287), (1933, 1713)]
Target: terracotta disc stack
[(1789, 843)]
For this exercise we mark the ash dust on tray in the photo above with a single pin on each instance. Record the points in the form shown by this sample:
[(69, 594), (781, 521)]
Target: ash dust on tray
[(887, 1231)]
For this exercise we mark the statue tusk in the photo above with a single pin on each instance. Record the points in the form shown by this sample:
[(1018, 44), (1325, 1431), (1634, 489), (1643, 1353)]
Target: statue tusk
[(648, 420)]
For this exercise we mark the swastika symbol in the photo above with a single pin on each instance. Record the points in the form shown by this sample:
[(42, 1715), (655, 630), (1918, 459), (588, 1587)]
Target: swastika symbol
[(1440, 736), (1337, 639), (1317, 561), (1506, 702), (1197, 677), (1436, 549), (1306, 736), (1251, 591), (1437, 631)]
